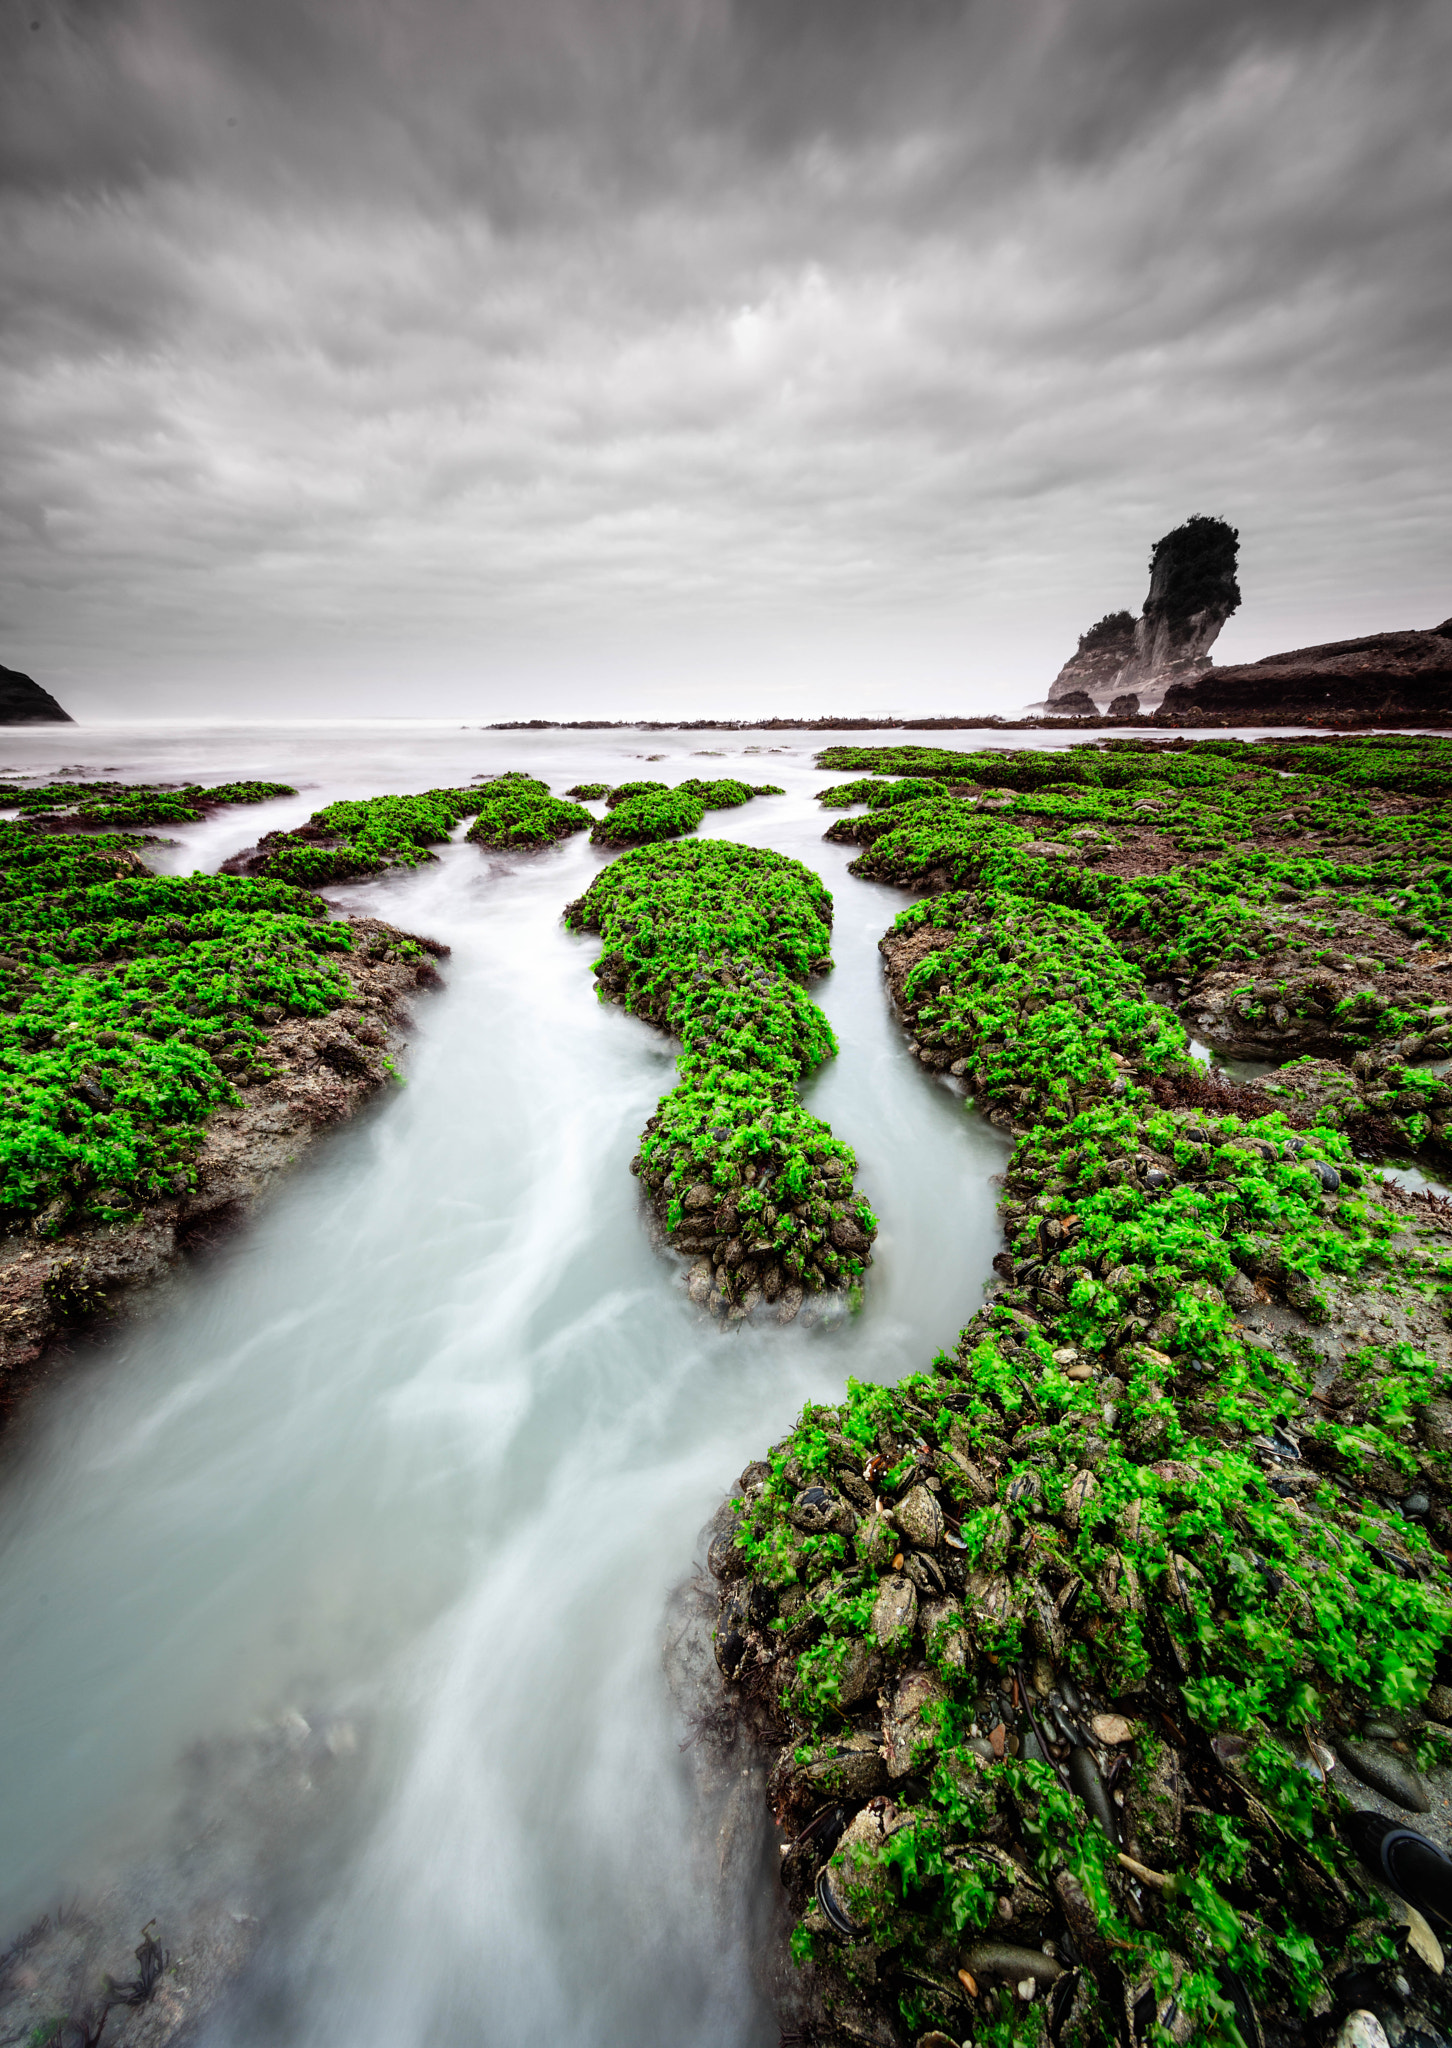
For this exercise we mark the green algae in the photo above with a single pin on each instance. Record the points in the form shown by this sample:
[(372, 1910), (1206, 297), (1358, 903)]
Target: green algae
[(1159, 1497), (713, 942), (130, 1004)]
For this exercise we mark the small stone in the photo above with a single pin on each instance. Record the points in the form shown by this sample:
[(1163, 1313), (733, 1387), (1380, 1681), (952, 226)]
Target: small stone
[(1362, 2030), (1111, 1728)]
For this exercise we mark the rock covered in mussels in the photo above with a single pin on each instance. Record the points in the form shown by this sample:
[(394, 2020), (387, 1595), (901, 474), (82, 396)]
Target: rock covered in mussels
[(1150, 1566), (713, 942)]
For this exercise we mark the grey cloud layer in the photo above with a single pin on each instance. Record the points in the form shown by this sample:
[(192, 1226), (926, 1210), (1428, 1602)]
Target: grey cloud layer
[(490, 336)]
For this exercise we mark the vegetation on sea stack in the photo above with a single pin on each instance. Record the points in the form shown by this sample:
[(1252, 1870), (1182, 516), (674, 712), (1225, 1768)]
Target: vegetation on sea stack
[(712, 942)]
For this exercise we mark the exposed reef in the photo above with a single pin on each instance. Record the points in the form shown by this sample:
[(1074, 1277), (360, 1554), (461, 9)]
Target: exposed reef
[(713, 943), (1386, 678), (355, 838), (99, 806), (1193, 591), (1099, 1658), (24, 702), (641, 813), (167, 1044)]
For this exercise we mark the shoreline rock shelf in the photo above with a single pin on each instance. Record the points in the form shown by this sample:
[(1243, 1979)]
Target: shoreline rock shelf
[(167, 1045), (1097, 1659), (355, 838), (712, 942)]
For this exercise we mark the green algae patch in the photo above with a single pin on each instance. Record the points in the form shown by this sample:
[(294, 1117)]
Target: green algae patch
[(641, 814), (358, 837), (70, 805), (714, 942), (644, 813), (130, 1006), (1081, 1647), (518, 810)]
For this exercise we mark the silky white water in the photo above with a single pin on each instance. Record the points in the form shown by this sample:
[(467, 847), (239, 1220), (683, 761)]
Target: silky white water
[(418, 1458), (423, 1451)]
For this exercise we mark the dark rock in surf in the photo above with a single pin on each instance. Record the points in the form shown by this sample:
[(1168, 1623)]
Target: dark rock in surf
[(24, 702)]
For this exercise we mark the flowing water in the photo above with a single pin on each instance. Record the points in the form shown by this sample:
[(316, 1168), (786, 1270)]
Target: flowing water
[(397, 1486)]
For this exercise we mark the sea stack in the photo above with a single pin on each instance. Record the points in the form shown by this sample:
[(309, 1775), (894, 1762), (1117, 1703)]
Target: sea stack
[(23, 702), (1193, 591)]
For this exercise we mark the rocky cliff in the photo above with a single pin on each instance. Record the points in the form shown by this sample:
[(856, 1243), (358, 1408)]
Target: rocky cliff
[(23, 702), (1193, 591), (1385, 676)]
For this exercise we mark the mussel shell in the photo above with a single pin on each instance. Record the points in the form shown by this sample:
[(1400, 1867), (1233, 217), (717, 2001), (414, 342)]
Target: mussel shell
[(731, 1652), (725, 1559), (824, 1830), (1232, 1986), (1086, 1781), (1006, 1959), (1385, 1773), (1416, 1869), (926, 1574), (837, 1917)]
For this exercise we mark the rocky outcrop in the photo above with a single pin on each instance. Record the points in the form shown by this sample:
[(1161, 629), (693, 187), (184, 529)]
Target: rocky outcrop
[(23, 702), (1385, 676), (1193, 591), (324, 1070), (1094, 667)]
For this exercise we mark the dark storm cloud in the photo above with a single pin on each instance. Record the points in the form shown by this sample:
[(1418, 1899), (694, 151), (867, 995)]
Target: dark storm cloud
[(445, 327)]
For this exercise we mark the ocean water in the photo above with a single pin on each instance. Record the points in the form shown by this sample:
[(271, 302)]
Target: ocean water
[(419, 1457), (333, 1595)]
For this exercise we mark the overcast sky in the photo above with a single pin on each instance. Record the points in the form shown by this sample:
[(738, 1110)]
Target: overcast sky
[(585, 357)]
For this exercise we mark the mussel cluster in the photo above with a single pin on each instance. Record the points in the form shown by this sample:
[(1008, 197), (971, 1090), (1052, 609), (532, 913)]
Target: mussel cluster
[(1109, 1669), (712, 941)]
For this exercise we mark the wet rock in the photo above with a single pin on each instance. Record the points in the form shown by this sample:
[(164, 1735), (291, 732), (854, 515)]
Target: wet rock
[(853, 1886), (998, 1962), (1111, 1728), (725, 1559), (1089, 1786), (947, 1639), (1079, 1499), (1147, 2007), (1385, 1773), (876, 1541), (851, 1769), (849, 1236), (790, 1302)]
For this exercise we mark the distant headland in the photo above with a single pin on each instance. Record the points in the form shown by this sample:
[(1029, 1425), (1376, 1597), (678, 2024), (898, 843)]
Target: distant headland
[(23, 702)]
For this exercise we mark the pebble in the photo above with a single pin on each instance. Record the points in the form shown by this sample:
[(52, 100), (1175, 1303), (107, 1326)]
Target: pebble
[(1111, 1728), (1363, 2030)]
